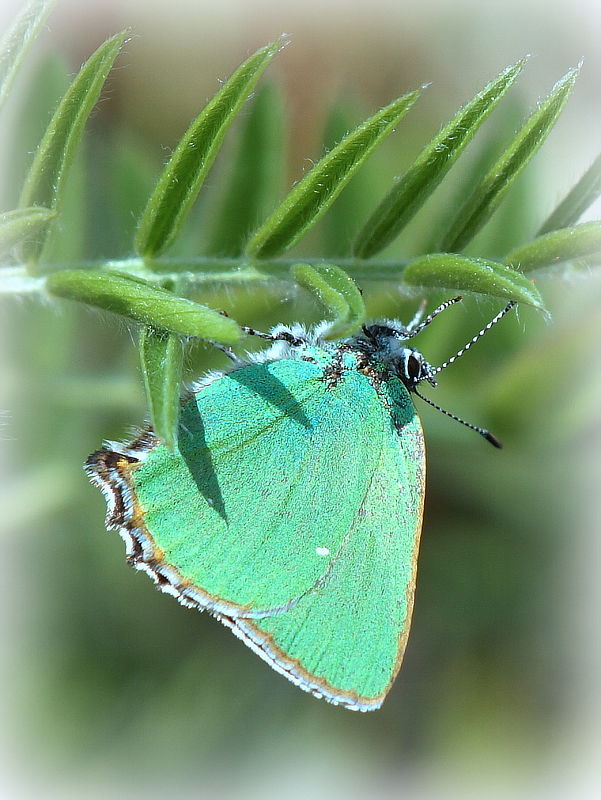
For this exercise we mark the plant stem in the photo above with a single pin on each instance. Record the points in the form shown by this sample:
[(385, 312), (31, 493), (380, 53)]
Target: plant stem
[(199, 270)]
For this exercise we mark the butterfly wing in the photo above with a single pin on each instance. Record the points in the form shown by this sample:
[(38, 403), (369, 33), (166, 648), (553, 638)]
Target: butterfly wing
[(346, 637), (271, 469)]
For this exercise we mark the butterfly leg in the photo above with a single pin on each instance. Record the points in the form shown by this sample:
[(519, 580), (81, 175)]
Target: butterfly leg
[(281, 334), (228, 352)]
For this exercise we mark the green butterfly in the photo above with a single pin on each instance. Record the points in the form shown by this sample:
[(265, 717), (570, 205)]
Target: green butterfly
[(292, 507)]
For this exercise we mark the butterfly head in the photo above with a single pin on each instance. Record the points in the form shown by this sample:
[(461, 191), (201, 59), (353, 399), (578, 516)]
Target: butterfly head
[(388, 345)]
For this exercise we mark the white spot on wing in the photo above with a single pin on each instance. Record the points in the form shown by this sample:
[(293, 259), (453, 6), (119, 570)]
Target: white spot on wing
[(322, 551)]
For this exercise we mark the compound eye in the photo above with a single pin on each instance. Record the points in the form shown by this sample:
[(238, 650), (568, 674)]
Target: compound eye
[(414, 368)]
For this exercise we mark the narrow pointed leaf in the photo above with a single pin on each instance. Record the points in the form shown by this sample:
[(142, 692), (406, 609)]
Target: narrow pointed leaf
[(552, 248), (338, 293), (486, 197), (313, 195), (46, 84), (255, 178), (451, 271), (44, 183), (427, 171), (514, 220), (181, 179), (67, 240), (576, 202), (161, 356), (488, 148), (17, 41), (22, 223), (133, 298)]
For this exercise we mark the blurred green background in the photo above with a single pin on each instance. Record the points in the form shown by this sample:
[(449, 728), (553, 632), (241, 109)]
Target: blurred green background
[(111, 689)]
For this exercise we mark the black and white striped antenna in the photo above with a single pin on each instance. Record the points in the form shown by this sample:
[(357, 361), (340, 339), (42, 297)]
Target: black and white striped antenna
[(474, 339), (482, 431), (435, 370)]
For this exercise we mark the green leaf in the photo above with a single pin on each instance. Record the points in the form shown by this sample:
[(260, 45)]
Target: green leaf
[(576, 202), (338, 292), (68, 239), (552, 248), (47, 82), (181, 179), (161, 356), (313, 195), (44, 183), (131, 297), (408, 195), (451, 271), (255, 178), (17, 41), (515, 218), (480, 206), (22, 223), (468, 175)]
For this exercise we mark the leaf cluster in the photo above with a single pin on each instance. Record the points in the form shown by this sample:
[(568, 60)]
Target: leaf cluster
[(251, 234)]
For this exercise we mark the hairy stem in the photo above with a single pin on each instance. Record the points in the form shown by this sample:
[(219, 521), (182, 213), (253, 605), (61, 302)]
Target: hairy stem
[(199, 270)]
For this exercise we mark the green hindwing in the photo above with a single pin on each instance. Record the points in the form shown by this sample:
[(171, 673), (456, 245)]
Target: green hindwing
[(291, 510), (346, 637)]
